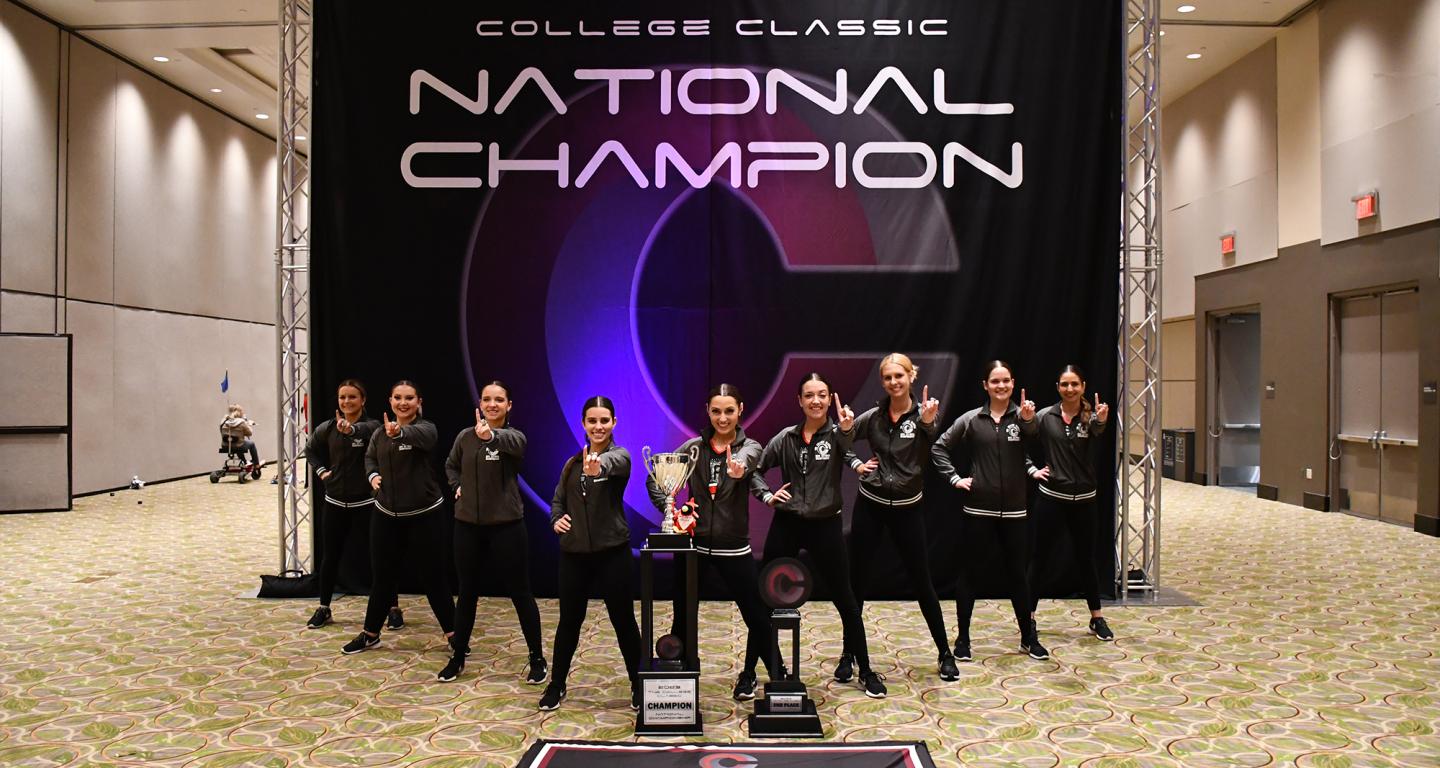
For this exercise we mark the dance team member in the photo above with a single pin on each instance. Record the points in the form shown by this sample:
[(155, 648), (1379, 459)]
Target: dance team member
[(397, 463), (588, 512), (900, 431), (483, 471), (993, 439), (1067, 482), (718, 486), (336, 454), (811, 457)]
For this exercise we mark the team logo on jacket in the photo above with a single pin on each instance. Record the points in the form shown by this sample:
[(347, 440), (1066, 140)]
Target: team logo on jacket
[(822, 451), (907, 430), (357, 443), (403, 447), (1012, 433), (492, 454), (1082, 430)]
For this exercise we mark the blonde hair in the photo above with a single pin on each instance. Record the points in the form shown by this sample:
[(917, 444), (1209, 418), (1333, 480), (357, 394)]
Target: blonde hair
[(897, 358), (235, 408)]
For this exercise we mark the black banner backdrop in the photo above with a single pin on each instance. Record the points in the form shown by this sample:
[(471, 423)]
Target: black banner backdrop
[(643, 199)]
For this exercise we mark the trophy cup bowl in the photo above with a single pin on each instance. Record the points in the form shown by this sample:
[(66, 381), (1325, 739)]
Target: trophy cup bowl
[(669, 471)]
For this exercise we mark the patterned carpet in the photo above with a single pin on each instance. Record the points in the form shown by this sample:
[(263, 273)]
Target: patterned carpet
[(125, 643)]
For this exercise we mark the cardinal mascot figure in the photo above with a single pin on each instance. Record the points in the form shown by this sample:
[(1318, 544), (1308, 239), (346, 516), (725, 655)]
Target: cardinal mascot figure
[(685, 518)]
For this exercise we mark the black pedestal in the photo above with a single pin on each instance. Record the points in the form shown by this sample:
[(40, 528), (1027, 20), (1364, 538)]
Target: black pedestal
[(669, 688), (786, 711)]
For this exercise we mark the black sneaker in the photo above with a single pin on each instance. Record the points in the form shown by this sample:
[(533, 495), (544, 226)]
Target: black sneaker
[(321, 617), (537, 672), (873, 684), (1035, 649), (396, 619), (635, 694), (362, 641), (744, 686), (453, 669), (1100, 629), (550, 700), (962, 651), (845, 668), (948, 670)]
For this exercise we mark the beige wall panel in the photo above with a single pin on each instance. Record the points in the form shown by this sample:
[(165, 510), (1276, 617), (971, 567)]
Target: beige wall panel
[(195, 231), (97, 442), (90, 212), (252, 378), (1401, 160), (29, 114), (1222, 133), (1378, 64), (1297, 75), (33, 473), (1177, 405), (27, 313), (34, 391), (1177, 349)]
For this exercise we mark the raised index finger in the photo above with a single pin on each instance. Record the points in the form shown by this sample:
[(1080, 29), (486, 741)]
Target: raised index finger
[(925, 394), (838, 414), (1022, 395)]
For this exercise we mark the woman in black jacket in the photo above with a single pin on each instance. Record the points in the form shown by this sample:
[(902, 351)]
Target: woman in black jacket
[(588, 512), (483, 469), (992, 438), (397, 463), (1066, 501), (336, 454), (900, 431), (811, 457), (718, 486)]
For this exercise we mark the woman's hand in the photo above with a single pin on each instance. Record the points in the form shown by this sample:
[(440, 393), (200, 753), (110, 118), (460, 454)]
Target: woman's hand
[(963, 483), (733, 468), (375, 483), (929, 407), (1042, 474), (843, 415), (591, 468), (482, 427), (1102, 410), (342, 424), (563, 524), (780, 496), (1027, 408), (392, 428), (868, 467), (326, 475), (457, 493)]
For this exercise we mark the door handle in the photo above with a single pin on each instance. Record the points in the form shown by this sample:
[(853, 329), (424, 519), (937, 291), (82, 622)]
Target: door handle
[(1331, 450), (1375, 440), (1214, 433)]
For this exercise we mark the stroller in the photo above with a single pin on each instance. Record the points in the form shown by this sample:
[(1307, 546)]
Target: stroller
[(235, 444)]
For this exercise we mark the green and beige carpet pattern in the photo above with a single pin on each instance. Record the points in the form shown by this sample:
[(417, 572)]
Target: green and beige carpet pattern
[(125, 642)]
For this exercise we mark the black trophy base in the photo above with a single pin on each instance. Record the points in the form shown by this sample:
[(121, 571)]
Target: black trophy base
[(785, 712), (670, 542), (669, 704)]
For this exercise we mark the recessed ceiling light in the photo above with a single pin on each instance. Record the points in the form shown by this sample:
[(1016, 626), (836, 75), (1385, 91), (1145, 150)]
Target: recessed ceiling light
[(299, 138), (216, 90), (161, 59), (1186, 9), (263, 116), (1192, 55)]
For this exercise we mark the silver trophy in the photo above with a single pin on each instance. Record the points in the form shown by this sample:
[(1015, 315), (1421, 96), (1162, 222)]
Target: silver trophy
[(670, 471)]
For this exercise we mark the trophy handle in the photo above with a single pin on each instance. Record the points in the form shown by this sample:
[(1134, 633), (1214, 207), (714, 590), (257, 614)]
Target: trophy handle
[(645, 460), (694, 453)]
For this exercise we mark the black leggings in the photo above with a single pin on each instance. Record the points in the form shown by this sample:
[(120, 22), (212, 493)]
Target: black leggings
[(1077, 518), (335, 531), (389, 538), (742, 580), (506, 548), (1009, 540), (824, 539), (606, 572), (907, 530)]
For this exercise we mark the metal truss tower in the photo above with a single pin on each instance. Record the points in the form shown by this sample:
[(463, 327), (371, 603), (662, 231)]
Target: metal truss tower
[(292, 286), (1137, 466)]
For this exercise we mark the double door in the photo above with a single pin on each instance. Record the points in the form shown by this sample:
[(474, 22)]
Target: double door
[(1376, 398)]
